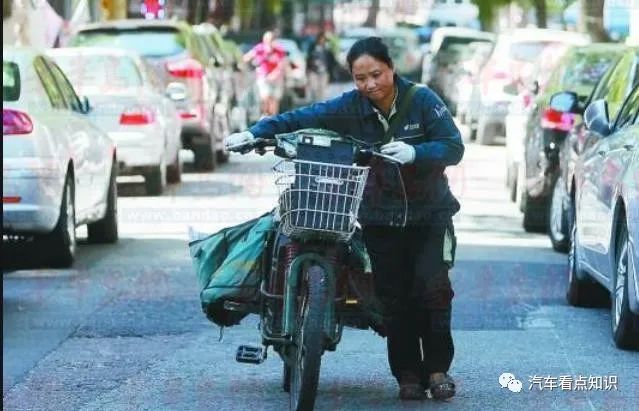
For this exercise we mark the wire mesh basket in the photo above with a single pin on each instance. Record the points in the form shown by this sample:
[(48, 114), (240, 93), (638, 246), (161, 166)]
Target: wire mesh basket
[(319, 200)]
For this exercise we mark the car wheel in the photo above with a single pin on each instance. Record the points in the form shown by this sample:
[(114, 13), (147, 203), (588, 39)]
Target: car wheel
[(105, 230), (155, 180), (60, 244), (582, 291), (483, 137), (558, 226), (625, 324), (205, 158), (174, 171), (222, 156), (534, 214)]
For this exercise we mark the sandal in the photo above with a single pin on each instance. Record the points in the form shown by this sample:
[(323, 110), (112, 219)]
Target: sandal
[(442, 386)]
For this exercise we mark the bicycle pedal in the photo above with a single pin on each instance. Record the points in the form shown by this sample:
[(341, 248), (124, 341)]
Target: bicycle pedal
[(250, 354)]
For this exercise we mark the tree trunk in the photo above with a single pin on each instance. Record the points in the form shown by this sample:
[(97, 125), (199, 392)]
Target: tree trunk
[(541, 13), (373, 11), (591, 21)]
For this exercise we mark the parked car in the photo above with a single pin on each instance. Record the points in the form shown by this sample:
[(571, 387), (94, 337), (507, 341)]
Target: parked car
[(508, 70), (578, 72), (614, 86), (405, 50), (604, 245), (244, 89), (212, 47), (347, 38), (446, 45), (178, 56), (59, 169), (131, 105), (296, 82), (458, 71), (520, 111)]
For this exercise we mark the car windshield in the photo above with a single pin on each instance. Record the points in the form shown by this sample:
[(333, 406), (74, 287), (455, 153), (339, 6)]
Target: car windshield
[(87, 71), (10, 81), (527, 51), (585, 71), (156, 42), (453, 41)]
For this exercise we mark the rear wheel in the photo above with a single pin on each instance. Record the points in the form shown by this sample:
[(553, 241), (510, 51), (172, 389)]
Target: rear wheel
[(105, 230), (60, 244), (582, 291), (155, 180), (174, 171), (309, 342), (558, 222), (205, 159), (625, 324), (535, 214)]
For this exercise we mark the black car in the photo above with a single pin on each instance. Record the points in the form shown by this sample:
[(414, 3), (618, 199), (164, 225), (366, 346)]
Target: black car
[(614, 86), (579, 71)]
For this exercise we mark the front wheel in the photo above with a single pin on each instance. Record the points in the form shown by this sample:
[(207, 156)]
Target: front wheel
[(309, 341)]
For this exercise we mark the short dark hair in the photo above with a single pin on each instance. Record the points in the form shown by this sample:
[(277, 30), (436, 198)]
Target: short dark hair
[(372, 46)]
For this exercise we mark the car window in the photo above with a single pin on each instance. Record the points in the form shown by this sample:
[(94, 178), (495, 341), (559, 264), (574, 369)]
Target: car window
[(615, 88), (99, 71), (68, 93), (583, 71), (629, 111), (148, 42), (153, 77), (10, 81), (49, 84)]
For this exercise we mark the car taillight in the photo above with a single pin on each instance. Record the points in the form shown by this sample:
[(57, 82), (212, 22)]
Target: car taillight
[(137, 117), (15, 122), (11, 200), (500, 75), (556, 120), (188, 68)]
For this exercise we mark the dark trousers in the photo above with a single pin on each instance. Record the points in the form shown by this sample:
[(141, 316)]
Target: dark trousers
[(411, 281)]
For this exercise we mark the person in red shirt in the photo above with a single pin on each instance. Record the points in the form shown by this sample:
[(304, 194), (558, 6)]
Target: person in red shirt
[(268, 58)]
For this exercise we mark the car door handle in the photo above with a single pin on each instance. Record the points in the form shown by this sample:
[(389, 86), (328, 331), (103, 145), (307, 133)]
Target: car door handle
[(601, 152), (629, 147)]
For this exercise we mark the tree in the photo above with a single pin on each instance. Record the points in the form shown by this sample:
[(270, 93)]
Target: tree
[(541, 13), (373, 11), (488, 10), (591, 21)]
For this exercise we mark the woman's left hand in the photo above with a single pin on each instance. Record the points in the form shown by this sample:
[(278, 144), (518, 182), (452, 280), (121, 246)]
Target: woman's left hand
[(402, 152)]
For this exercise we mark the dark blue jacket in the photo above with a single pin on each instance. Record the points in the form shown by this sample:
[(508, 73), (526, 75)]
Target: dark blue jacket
[(428, 126)]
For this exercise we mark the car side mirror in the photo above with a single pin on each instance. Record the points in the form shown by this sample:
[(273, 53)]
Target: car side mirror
[(85, 105), (597, 118), (565, 102), (535, 87), (176, 91)]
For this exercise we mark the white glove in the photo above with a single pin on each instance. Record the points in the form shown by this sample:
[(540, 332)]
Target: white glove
[(237, 139), (402, 152)]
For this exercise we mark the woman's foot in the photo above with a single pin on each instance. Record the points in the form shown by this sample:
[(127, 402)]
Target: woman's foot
[(410, 389), (441, 386)]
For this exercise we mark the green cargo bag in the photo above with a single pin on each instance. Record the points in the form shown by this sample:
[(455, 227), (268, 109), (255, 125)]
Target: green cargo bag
[(228, 265)]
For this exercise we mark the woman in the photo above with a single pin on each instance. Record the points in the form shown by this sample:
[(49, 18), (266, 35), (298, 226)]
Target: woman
[(406, 213), (269, 58)]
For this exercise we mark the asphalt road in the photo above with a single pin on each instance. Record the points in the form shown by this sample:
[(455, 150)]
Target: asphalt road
[(123, 329)]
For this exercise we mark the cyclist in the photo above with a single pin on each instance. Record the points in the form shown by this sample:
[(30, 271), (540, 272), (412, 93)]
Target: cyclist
[(406, 213)]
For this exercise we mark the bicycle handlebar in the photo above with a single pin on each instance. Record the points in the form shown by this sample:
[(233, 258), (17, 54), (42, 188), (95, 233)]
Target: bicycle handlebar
[(260, 144)]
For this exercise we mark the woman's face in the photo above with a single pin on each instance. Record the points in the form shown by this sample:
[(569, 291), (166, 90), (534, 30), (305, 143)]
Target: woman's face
[(373, 78)]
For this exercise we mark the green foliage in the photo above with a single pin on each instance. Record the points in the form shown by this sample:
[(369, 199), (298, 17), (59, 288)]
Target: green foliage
[(488, 10)]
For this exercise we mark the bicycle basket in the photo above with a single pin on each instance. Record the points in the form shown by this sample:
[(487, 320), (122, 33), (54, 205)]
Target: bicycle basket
[(319, 200)]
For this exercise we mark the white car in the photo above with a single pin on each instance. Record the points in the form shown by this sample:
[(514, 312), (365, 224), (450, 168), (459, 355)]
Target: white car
[(131, 105), (59, 169)]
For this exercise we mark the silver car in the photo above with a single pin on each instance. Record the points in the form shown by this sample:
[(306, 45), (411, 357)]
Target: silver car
[(605, 236), (131, 106), (58, 168)]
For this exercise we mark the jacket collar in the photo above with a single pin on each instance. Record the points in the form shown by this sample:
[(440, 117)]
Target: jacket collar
[(367, 107)]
